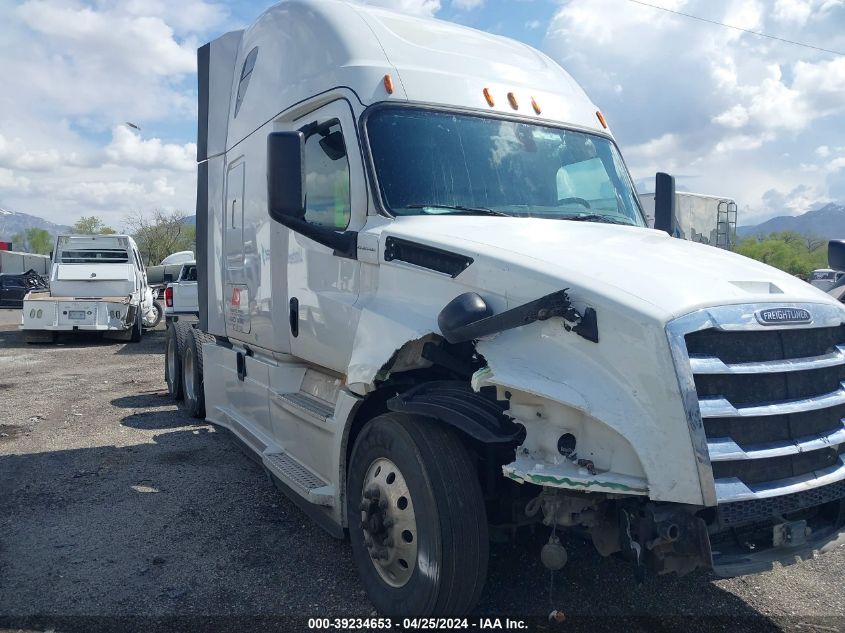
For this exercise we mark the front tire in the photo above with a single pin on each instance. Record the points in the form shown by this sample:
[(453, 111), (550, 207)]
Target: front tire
[(413, 496), (159, 313)]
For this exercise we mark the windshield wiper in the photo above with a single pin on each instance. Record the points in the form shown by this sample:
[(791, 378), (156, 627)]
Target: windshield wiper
[(459, 209), (596, 217)]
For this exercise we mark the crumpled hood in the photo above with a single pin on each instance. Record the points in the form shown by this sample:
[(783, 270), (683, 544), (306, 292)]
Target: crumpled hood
[(630, 264)]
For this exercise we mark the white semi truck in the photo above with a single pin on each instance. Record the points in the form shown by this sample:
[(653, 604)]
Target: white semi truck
[(430, 304), (98, 284)]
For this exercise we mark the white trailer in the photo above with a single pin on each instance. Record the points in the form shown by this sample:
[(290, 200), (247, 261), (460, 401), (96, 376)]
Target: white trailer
[(97, 283), (430, 303), (706, 219)]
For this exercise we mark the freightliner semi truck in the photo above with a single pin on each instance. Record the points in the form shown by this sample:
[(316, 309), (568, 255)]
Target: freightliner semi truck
[(430, 306)]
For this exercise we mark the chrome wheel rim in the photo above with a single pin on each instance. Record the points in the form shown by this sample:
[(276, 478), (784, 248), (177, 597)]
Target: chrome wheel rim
[(389, 522), (188, 373)]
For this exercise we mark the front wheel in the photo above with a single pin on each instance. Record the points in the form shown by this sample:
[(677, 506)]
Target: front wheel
[(416, 518)]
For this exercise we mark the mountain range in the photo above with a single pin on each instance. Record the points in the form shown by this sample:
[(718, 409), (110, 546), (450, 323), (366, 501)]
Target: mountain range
[(14, 223), (827, 222)]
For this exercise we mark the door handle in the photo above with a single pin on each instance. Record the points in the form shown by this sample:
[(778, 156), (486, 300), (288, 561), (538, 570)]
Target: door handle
[(293, 316)]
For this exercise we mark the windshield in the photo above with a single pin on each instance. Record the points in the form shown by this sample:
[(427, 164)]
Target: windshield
[(431, 162)]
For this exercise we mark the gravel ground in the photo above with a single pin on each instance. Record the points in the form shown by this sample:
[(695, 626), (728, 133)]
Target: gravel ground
[(119, 512)]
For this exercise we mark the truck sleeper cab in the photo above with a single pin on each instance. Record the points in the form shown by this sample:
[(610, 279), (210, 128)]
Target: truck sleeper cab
[(97, 283), (429, 303)]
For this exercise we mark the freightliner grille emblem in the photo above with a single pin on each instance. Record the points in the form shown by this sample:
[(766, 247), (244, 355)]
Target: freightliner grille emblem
[(779, 316)]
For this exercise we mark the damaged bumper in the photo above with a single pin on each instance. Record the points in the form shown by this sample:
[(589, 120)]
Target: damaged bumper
[(99, 315), (578, 475)]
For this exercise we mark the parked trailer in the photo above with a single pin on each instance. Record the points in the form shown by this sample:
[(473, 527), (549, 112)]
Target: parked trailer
[(430, 303), (699, 218), (97, 283)]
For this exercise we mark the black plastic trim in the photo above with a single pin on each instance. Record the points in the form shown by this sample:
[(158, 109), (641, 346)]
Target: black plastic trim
[(456, 404), (203, 62), (556, 304), (202, 243), (437, 259)]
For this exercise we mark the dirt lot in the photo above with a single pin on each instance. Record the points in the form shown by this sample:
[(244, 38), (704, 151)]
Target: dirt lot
[(119, 512)]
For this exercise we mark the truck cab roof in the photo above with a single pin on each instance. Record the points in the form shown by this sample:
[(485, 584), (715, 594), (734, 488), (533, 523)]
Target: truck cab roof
[(301, 48)]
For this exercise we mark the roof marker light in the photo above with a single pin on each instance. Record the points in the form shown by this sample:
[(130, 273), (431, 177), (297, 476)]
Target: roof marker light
[(535, 105), (489, 97), (513, 101), (388, 84), (600, 117)]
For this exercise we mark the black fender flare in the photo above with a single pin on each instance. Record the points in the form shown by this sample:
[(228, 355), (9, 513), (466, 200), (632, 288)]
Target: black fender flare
[(456, 404)]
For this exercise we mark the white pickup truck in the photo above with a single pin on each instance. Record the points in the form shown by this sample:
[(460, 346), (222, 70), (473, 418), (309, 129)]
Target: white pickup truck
[(180, 296), (97, 283)]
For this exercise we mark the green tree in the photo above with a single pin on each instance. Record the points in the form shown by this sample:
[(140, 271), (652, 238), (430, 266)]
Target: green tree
[(161, 234), (91, 225), (33, 240), (791, 252), (39, 241)]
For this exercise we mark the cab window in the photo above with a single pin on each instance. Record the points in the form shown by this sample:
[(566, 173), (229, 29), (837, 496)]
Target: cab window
[(327, 200)]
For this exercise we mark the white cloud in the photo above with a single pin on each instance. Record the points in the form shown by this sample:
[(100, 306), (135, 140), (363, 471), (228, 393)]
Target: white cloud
[(467, 5), (735, 117), (792, 11), (729, 112), (139, 44), (128, 148), (9, 181)]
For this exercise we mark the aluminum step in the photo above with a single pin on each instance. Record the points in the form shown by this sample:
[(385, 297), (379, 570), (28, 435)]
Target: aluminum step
[(302, 403), (301, 480)]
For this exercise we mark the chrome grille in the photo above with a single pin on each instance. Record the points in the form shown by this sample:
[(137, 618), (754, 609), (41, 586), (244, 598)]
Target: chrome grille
[(770, 412)]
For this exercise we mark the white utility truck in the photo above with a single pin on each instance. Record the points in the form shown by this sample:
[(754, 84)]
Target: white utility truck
[(698, 217), (97, 283), (430, 304)]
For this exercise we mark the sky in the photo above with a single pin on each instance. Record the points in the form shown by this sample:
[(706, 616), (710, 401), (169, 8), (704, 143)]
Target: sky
[(728, 112)]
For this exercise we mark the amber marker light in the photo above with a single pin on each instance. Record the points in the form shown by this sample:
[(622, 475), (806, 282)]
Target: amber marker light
[(535, 105), (388, 84), (600, 117), (513, 101), (489, 97)]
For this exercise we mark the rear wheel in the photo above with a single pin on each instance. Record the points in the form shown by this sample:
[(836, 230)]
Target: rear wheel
[(416, 518), (193, 394), (172, 363)]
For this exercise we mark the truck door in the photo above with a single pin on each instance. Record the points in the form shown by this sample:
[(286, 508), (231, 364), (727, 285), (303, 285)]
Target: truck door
[(322, 287), (235, 291)]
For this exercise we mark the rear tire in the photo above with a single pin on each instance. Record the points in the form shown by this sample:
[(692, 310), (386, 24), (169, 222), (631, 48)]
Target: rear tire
[(172, 363), (193, 394), (447, 529)]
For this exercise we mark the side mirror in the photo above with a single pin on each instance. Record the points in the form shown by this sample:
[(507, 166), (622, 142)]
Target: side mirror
[(664, 202), (286, 176), (836, 254)]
